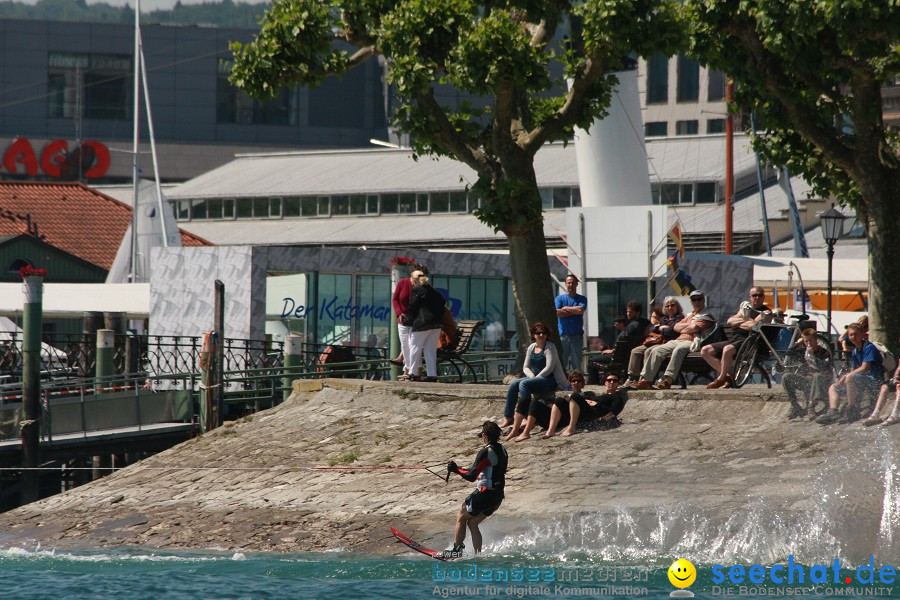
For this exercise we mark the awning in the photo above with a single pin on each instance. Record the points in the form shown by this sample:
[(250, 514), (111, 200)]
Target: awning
[(68, 300), (847, 274)]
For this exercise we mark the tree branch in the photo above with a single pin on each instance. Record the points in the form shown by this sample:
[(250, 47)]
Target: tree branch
[(455, 143), (570, 112)]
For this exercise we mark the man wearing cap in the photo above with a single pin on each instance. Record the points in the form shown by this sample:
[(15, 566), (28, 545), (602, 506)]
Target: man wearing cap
[(489, 474), (720, 355), (570, 309), (691, 330)]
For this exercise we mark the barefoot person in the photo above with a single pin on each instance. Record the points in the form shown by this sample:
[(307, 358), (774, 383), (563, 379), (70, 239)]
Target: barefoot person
[(584, 411), (489, 474)]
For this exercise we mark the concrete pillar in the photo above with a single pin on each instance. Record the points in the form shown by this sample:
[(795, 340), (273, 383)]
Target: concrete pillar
[(293, 361)]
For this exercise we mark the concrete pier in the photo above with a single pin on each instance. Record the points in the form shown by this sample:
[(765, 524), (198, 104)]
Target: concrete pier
[(251, 484)]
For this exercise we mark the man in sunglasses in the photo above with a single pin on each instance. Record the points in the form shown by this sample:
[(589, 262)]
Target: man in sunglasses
[(720, 355)]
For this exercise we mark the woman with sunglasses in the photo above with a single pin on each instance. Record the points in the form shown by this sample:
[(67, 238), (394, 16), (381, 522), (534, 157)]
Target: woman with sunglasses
[(543, 373), (584, 410)]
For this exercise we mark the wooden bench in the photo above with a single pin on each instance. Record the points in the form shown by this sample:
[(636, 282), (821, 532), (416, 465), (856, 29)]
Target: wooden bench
[(617, 362), (466, 333)]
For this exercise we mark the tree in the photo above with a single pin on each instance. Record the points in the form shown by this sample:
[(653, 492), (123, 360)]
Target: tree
[(813, 70), (509, 53)]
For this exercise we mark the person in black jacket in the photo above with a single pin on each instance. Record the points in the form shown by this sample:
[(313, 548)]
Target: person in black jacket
[(426, 313), (488, 472)]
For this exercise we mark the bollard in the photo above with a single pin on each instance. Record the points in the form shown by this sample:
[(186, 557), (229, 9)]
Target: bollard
[(293, 361), (106, 350)]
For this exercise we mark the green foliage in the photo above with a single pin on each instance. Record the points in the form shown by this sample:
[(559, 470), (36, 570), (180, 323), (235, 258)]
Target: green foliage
[(808, 69)]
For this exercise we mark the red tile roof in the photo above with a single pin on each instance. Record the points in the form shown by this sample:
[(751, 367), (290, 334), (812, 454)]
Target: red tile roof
[(71, 217)]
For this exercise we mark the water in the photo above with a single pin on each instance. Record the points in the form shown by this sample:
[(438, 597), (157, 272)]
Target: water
[(851, 513)]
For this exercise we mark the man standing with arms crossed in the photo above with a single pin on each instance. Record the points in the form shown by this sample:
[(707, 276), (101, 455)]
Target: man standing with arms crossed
[(569, 313)]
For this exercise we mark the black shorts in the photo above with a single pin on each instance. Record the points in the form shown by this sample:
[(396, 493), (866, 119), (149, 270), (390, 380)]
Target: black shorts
[(484, 503), (735, 340)]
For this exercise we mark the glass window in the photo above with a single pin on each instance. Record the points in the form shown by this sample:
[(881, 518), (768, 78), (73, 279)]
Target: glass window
[(340, 205), (389, 204), (457, 202), (372, 202), (373, 315), (546, 197), (95, 86), (214, 208), (474, 203), (228, 208), (309, 206), (656, 128), (706, 193), (654, 193), (576, 197), (275, 207), (357, 205), (234, 106), (688, 80), (716, 90), (323, 206), (715, 126), (658, 79), (686, 127), (292, 206), (334, 322), (687, 193), (261, 207), (422, 203), (407, 203), (440, 202), (244, 208), (182, 209), (562, 197), (669, 193)]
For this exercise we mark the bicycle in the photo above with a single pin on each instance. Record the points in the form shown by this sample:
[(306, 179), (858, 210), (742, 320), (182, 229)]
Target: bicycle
[(778, 343)]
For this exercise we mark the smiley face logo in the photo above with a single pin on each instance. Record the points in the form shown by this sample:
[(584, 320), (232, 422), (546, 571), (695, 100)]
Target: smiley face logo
[(682, 573)]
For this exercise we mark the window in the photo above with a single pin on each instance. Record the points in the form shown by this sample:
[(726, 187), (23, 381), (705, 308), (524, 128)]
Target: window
[(576, 197), (372, 205), (292, 207), (340, 205), (656, 129), (274, 207), (261, 208), (457, 202), (440, 202), (706, 193), (94, 86), (244, 208), (422, 203), (234, 106), (715, 126), (198, 209), (562, 197), (309, 206), (358, 205), (228, 208), (687, 193), (658, 79), (716, 90), (407, 203), (18, 264), (686, 127), (389, 204), (688, 89)]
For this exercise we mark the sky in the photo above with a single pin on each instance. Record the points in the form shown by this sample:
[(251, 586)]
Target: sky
[(149, 5)]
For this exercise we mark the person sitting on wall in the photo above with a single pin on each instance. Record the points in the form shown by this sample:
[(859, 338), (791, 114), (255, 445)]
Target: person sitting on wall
[(864, 379), (812, 378), (585, 411), (891, 386), (543, 373)]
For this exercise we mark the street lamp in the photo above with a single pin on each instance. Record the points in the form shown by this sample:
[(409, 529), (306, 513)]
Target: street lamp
[(832, 222)]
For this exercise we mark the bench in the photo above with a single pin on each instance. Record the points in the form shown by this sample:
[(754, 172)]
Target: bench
[(466, 333), (617, 362)]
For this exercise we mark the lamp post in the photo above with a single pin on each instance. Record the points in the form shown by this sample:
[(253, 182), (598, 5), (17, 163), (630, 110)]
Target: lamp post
[(832, 222)]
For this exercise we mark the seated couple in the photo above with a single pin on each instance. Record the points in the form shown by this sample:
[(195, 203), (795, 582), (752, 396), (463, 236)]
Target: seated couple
[(579, 410)]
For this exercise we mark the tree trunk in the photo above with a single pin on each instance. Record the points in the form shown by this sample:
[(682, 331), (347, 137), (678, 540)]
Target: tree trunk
[(531, 283), (884, 264)]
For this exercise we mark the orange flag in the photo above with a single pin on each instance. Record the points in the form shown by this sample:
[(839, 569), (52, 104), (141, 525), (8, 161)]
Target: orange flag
[(675, 236)]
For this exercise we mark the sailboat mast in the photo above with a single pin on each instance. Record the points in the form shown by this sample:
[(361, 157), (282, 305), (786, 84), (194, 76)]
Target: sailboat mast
[(135, 115), (729, 169), (159, 198)]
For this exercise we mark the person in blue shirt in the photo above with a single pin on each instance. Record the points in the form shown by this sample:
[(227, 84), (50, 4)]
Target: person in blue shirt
[(864, 379), (570, 309)]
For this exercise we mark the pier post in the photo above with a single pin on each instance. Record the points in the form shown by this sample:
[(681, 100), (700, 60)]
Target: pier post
[(219, 361), (32, 320), (106, 351), (293, 361)]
